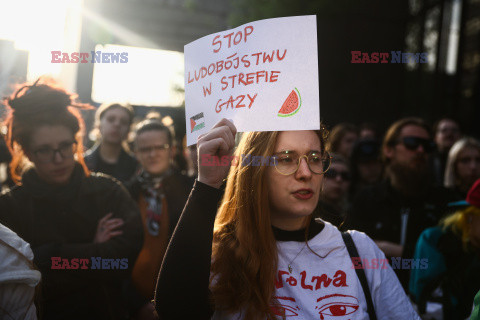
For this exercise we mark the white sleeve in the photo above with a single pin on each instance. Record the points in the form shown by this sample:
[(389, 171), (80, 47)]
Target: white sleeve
[(389, 298), (16, 301)]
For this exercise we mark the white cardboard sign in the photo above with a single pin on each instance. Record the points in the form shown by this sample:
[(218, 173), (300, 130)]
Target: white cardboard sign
[(263, 75)]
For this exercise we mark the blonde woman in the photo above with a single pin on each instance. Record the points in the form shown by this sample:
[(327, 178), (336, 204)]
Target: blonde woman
[(463, 166), (262, 255)]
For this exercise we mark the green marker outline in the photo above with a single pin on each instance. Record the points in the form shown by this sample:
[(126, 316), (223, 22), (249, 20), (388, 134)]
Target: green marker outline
[(291, 114)]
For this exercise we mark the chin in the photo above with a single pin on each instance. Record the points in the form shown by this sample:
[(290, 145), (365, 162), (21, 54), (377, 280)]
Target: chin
[(303, 212)]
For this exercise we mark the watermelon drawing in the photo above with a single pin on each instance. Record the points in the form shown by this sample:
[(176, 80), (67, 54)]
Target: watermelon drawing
[(291, 105)]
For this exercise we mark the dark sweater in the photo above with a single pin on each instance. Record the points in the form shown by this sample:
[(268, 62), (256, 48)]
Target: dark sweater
[(123, 170), (63, 224)]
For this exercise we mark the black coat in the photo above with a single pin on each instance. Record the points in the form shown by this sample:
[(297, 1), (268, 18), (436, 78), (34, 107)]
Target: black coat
[(377, 211), (124, 169), (56, 225)]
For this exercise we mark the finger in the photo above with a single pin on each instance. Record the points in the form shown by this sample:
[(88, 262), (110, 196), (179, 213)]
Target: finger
[(115, 233), (215, 146), (113, 225), (114, 220), (228, 123), (223, 132), (105, 218)]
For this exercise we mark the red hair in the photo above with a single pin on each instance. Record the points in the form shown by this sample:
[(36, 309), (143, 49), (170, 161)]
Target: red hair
[(36, 105)]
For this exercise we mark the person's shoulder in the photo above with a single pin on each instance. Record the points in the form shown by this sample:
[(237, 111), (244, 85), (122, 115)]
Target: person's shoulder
[(180, 180), (14, 192), (365, 245), (90, 153), (98, 181)]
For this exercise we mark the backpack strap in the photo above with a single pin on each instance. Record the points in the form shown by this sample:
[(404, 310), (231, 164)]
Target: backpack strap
[(352, 251)]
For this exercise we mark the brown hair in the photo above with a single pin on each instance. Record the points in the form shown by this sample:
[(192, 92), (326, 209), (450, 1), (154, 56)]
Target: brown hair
[(244, 251), (33, 106), (153, 122), (393, 133), (337, 134)]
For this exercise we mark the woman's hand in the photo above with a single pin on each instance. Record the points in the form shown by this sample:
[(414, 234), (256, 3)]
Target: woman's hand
[(218, 142), (106, 228)]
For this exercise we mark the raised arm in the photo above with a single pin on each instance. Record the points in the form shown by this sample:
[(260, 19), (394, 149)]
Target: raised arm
[(182, 289)]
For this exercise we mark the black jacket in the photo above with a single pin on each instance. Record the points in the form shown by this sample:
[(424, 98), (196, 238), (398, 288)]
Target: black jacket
[(59, 226), (124, 169), (377, 211)]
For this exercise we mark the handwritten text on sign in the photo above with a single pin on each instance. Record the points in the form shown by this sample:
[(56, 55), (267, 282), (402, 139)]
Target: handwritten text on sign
[(257, 74)]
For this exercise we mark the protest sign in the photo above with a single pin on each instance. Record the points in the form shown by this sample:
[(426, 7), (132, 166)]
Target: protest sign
[(263, 75)]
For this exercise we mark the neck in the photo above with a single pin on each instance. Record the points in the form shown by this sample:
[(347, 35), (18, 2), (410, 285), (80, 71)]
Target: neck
[(110, 152), (290, 224)]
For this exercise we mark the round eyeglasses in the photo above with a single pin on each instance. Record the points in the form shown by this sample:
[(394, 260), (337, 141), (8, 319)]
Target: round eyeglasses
[(288, 162), (47, 154)]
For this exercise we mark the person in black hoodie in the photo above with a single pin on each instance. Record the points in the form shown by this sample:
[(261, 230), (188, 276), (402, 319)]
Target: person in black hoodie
[(63, 211)]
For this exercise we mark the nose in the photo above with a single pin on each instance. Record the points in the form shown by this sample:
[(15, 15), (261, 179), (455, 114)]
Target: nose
[(57, 157), (303, 171), (420, 149)]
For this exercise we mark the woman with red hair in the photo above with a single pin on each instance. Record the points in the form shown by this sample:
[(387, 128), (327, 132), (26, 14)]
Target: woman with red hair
[(63, 211), (262, 255)]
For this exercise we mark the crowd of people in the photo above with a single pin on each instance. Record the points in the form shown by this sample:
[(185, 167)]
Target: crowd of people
[(123, 231)]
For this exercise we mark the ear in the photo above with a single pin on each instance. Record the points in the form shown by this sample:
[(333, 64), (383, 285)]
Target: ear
[(388, 152)]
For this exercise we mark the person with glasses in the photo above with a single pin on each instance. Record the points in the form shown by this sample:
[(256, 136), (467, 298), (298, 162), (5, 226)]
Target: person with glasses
[(262, 254), (334, 203), (395, 211), (68, 215), (161, 192)]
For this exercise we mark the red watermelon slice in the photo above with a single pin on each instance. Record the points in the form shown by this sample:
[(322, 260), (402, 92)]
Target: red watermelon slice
[(291, 105)]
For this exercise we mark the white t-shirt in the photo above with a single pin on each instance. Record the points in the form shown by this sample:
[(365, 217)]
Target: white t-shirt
[(329, 288)]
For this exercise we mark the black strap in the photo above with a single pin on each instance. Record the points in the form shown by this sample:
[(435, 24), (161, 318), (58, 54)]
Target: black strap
[(352, 250)]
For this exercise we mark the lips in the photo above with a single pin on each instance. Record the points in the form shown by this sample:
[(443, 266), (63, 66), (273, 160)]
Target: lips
[(303, 194), (59, 172)]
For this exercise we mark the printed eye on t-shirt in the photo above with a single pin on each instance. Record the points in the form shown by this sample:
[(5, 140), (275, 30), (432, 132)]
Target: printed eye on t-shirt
[(308, 294)]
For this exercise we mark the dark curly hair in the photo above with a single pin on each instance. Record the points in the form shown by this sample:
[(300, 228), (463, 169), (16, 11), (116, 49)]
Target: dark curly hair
[(32, 106)]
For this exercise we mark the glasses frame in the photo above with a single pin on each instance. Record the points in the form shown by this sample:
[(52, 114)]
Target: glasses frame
[(73, 146), (423, 142), (163, 147), (326, 155)]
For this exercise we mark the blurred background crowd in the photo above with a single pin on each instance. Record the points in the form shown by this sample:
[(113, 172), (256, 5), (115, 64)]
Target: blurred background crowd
[(404, 138)]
